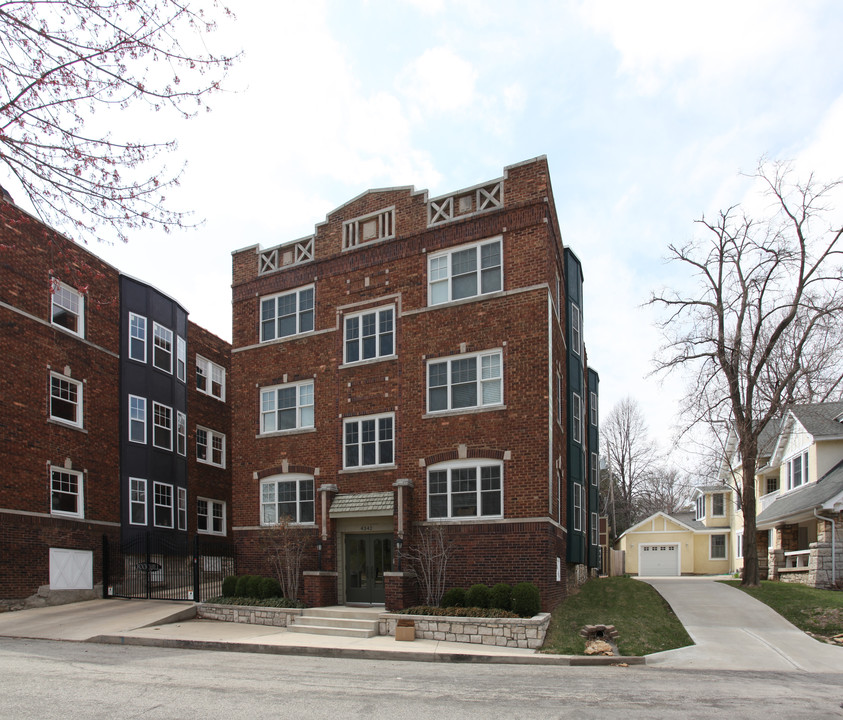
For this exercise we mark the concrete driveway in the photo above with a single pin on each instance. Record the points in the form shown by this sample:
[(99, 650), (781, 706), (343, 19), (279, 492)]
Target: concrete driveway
[(84, 620), (733, 631)]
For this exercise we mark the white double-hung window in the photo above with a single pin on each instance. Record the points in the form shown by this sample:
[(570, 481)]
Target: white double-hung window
[(210, 447), (68, 309), (137, 337), (286, 314), (369, 441), (465, 489), (465, 381), (66, 496), (465, 272), (370, 335), (210, 378), (162, 347), (287, 407), (65, 400), (797, 471), (137, 419), (162, 426), (289, 497)]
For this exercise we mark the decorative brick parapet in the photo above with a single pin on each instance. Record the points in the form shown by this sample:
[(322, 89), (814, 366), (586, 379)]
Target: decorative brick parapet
[(253, 615), (503, 632)]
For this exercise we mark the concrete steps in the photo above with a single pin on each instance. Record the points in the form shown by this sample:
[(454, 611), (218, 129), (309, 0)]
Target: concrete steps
[(337, 621)]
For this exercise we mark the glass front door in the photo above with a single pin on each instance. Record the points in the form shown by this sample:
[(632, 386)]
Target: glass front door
[(367, 557)]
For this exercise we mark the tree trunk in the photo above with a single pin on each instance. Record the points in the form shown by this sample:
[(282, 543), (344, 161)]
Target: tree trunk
[(750, 577)]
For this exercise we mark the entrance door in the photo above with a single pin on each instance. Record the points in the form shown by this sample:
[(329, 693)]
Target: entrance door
[(367, 557)]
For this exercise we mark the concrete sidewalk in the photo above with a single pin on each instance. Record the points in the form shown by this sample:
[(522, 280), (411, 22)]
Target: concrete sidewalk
[(734, 631), (173, 624)]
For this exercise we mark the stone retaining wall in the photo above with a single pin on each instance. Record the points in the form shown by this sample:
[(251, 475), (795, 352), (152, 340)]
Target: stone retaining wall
[(275, 617), (503, 632)]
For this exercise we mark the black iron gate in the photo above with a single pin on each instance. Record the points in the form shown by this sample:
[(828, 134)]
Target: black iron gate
[(166, 568)]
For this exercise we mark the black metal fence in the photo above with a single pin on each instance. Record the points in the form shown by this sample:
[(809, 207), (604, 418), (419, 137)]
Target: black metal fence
[(166, 568)]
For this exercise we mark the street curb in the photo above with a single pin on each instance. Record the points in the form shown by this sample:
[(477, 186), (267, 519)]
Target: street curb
[(360, 654)]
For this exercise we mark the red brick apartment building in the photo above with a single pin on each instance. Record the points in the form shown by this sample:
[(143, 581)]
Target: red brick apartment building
[(418, 362), (113, 423)]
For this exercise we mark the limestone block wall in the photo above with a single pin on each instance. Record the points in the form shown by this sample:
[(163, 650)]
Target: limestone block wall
[(503, 632)]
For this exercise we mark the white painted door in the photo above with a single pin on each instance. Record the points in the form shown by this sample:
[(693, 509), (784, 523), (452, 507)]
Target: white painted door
[(659, 560), (71, 569)]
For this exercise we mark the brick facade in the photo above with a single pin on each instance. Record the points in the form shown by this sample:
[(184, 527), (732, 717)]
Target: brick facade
[(61, 421), (524, 435)]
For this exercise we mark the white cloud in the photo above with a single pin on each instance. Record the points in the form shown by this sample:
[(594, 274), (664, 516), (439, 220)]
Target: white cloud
[(716, 40), (438, 81)]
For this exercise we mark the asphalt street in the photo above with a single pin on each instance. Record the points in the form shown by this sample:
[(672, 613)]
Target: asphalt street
[(48, 679)]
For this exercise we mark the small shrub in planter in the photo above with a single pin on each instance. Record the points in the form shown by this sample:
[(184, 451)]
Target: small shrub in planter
[(268, 588), (229, 586), (526, 600), (247, 586), (478, 596), (501, 597), (455, 597)]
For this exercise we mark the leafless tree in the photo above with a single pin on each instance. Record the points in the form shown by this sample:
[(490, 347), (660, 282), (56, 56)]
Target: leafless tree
[(666, 490), (63, 62), (285, 546), (429, 555), (631, 459), (761, 328)]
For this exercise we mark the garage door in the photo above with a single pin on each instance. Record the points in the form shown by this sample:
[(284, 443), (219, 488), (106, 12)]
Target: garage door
[(659, 560), (71, 569)]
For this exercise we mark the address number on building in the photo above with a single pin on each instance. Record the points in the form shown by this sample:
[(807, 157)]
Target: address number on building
[(366, 528), (148, 566)]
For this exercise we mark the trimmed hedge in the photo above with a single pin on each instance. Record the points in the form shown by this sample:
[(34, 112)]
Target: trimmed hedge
[(523, 600), (229, 586), (473, 612), (275, 602), (526, 600), (455, 597), (478, 596), (501, 597), (251, 586)]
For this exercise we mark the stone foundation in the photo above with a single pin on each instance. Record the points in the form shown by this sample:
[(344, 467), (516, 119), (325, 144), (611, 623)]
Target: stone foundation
[(502, 632), (274, 617)]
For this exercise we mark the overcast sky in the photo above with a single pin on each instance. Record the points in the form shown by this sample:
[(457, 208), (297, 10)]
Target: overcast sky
[(646, 111)]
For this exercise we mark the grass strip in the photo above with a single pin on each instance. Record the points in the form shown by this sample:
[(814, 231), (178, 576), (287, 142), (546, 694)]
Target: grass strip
[(812, 610), (644, 621)]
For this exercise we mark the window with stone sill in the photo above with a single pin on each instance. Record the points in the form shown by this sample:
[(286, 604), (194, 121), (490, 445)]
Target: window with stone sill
[(464, 489), (66, 399), (369, 441), (210, 378), (465, 381), (287, 314), (287, 407), (465, 272), (66, 496), (287, 497), (210, 516), (369, 335), (210, 447), (67, 309)]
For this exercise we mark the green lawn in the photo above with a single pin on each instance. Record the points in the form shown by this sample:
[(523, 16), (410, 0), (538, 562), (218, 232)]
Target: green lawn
[(644, 621), (814, 611)]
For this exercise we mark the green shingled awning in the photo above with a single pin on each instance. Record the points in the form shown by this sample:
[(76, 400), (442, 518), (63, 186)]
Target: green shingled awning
[(363, 505)]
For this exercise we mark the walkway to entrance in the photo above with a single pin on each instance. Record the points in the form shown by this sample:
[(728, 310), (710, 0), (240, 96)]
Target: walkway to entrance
[(734, 631)]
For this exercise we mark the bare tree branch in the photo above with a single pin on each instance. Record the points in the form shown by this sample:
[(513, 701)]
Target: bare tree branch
[(64, 61), (762, 329)]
